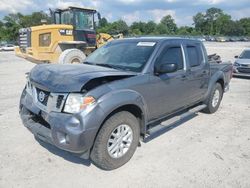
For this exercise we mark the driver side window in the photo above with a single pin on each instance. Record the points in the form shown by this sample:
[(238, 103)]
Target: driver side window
[(172, 55)]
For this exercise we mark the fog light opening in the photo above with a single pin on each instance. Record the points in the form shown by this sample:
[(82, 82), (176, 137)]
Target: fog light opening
[(63, 138)]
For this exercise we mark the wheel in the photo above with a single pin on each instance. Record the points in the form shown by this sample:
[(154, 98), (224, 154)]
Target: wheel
[(116, 142), (214, 99), (71, 56)]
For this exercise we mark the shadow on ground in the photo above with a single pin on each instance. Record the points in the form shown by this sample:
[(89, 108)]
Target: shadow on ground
[(64, 154)]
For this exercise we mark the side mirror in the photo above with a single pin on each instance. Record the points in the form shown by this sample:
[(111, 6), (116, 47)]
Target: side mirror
[(236, 57), (166, 68)]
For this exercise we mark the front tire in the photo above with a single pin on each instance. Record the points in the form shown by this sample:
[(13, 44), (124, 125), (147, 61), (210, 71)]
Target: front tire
[(214, 99), (116, 141)]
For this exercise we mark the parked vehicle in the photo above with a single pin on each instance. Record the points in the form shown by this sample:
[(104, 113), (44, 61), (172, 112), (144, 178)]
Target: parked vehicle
[(242, 64), (221, 39), (126, 90), (8, 47)]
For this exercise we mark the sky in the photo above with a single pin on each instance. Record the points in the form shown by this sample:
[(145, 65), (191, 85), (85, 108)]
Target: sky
[(134, 10)]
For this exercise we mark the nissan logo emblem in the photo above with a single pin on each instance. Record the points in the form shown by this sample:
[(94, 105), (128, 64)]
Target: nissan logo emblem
[(41, 96)]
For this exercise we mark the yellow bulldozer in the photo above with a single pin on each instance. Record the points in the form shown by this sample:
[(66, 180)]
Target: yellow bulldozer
[(69, 39)]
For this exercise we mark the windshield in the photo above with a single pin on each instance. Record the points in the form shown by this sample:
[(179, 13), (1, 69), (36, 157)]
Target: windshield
[(67, 17), (245, 55), (130, 56), (84, 20)]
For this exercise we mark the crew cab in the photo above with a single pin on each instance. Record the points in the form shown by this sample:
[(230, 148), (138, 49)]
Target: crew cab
[(124, 92)]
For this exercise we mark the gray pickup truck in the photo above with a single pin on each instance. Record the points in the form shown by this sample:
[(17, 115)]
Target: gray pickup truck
[(124, 92)]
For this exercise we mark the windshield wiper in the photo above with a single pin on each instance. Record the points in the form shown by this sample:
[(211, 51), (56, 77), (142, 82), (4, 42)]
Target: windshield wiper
[(88, 63), (107, 65), (103, 65)]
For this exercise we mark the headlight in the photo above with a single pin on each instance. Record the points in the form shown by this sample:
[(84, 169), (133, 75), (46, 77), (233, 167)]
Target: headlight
[(236, 64), (77, 102)]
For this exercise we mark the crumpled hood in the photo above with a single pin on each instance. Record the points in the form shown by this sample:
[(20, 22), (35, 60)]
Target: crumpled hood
[(69, 78)]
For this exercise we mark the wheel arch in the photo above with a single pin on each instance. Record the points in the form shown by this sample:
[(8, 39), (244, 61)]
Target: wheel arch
[(218, 77)]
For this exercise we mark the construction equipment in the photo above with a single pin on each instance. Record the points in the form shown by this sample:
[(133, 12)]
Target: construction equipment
[(70, 38)]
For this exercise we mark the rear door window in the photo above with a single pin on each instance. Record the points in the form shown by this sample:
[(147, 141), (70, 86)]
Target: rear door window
[(194, 56)]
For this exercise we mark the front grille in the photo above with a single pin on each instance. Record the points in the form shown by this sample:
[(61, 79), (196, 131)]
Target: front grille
[(59, 101), (45, 100), (24, 38), (243, 70), (42, 96)]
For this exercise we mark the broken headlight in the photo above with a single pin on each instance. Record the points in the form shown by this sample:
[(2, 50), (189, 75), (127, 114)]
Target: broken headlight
[(76, 102)]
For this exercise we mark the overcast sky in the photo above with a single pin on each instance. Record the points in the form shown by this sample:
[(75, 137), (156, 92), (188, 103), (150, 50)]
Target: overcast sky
[(134, 10)]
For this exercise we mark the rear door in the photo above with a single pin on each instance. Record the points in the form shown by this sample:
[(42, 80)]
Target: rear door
[(197, 71)]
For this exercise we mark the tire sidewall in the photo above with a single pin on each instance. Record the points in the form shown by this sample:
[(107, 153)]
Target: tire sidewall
[(104, 134), (70, 54), (213, 109)]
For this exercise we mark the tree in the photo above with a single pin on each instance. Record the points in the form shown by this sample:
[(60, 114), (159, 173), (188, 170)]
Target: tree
[(185, 30), (222, 24), (103, 22), (138, 26), (211, 16), (245, 23), (150, 28), (161, 29), (199, 22), (169, 22), (119, 26)]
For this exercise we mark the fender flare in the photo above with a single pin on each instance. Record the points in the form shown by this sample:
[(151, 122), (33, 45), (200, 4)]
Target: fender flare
[(119, 98), (215, 77)]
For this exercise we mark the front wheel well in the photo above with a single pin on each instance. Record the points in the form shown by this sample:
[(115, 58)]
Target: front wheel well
[(133, 109)]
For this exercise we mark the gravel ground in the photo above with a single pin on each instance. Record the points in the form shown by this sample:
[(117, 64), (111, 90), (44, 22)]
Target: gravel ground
[(206, 151)]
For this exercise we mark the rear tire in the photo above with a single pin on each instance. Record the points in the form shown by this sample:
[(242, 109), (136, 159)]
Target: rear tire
[(104, 153), (214, 99), (71, 56)]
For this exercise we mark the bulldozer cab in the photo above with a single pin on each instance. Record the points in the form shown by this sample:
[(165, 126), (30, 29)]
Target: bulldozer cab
[(82, 20)]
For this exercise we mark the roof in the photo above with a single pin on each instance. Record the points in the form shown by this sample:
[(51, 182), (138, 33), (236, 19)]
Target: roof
[(157, 39), (80, 8)]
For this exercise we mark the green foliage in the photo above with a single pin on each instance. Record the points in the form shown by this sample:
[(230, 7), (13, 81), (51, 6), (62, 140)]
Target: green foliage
[(212, 22), (11, 24), (169, 23), (215, 22), (119, 26), (245, 24)]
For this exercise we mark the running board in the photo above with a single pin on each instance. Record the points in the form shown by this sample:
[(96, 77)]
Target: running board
[(169, 124)]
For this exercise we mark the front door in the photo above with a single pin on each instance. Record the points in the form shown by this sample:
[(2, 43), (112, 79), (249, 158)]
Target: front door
[(168, 91)]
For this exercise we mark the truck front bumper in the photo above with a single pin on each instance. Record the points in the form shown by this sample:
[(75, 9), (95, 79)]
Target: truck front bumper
[(70, 132)]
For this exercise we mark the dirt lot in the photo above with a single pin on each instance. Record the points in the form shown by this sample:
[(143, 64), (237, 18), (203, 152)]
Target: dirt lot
[(206, 151)]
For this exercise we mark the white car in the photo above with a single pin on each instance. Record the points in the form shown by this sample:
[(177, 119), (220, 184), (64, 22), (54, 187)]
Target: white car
[(8, 47), (242, 64)]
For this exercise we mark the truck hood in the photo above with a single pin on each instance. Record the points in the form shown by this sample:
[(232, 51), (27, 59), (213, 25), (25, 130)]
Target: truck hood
[(73, 78), (243, 61)]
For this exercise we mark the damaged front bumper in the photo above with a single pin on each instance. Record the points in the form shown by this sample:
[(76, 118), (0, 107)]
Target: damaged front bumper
[(71, 132)]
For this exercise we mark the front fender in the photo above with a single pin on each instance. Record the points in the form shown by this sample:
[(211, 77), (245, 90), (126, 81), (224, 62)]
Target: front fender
[(116, 99)]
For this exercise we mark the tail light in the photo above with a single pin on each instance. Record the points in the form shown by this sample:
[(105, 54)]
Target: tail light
[(91, 36)]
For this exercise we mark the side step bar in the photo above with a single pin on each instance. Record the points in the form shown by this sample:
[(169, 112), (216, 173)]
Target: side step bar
[(169, 124)]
